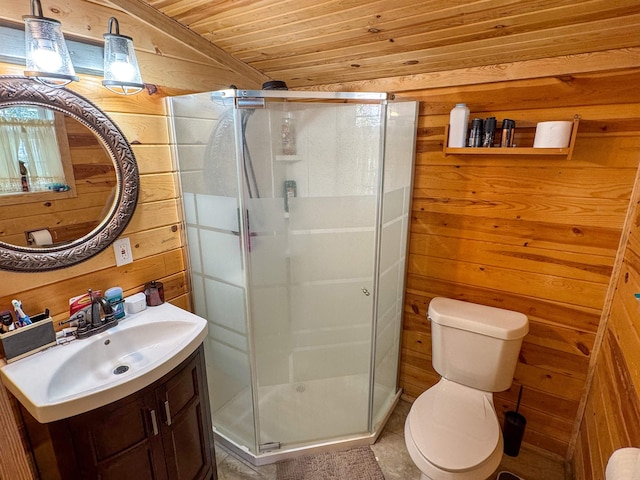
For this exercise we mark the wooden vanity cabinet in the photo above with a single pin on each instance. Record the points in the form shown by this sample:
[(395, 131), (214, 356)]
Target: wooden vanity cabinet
[(162, 432)]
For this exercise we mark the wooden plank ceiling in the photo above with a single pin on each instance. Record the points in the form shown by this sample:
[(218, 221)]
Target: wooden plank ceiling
[(316, 42)]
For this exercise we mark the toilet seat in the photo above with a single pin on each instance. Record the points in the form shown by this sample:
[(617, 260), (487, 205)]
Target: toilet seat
[(454, 427)]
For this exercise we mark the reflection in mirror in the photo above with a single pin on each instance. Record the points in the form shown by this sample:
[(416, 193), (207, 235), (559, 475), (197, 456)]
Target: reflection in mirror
[(29, 152), (70, 195), (74, 207)]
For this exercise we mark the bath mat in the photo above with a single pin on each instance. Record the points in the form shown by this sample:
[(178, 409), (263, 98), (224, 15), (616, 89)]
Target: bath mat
[(356, 463), (508, 476)]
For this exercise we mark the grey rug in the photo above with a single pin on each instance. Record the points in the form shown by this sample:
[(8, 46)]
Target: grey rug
[(356, 463)]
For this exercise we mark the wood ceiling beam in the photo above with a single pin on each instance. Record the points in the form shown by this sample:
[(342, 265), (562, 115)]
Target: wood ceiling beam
[(561, 66), (162, 22)]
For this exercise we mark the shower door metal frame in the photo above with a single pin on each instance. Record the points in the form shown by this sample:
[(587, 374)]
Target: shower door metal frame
[(246, 263), (376, 262)]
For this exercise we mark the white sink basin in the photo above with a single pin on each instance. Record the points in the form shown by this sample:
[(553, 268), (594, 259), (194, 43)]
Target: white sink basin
[(70, 379)]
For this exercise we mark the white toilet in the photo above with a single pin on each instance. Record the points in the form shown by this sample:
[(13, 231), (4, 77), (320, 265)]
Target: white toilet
[(452, 431)]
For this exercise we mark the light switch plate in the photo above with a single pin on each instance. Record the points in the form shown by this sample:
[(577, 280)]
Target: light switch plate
[(122, 249)]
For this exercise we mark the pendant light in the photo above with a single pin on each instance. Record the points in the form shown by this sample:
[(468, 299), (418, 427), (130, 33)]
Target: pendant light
[(121, 71), (48, 59)]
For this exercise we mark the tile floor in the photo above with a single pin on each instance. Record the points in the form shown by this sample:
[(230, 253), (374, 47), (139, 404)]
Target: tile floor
[(395, 461)]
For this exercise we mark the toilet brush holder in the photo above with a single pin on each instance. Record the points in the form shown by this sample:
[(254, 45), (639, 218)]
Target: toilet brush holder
[(514, 425)]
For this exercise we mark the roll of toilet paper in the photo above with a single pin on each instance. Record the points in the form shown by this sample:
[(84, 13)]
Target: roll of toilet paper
[(624, 464), (40, 238), (552, 134)]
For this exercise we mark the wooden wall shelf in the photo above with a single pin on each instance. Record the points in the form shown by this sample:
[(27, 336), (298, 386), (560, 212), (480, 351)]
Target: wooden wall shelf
[(497, 151)]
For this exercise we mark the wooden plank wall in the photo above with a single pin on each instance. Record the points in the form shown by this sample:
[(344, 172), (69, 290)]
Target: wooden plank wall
[(171, 68), (163, 60), (154, 231), (537, 235), (612, 413)]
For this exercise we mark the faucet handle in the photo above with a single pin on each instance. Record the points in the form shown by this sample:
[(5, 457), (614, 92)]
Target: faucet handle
[(82, 322), (106, 306), (109, 316)]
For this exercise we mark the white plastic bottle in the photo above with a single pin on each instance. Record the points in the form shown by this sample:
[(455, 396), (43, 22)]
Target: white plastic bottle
[(458, 123)]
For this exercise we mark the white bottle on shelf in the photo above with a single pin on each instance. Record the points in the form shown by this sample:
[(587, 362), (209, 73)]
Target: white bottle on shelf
[(458, 123)]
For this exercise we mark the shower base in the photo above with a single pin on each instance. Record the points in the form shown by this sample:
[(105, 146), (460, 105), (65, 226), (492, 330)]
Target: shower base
[(303, 417)]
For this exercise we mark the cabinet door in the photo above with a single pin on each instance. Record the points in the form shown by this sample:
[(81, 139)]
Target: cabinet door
[(186, 430), (119, 441)]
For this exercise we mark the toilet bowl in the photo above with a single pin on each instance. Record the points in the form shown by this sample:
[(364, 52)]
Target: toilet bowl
[(452, 430), (452, 433)]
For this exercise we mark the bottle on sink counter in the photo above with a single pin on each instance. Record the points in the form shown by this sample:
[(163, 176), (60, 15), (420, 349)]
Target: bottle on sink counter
[(114, 297)]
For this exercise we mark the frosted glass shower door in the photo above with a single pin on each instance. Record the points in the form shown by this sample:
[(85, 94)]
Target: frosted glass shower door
[(312, 262), (205, 137)]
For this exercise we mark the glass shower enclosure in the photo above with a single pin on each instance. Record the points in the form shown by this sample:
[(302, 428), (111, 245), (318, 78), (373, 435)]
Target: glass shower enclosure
[(296, 211)]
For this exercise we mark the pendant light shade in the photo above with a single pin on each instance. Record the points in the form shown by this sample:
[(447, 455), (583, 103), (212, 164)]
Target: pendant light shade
[(47, 55), (121, 71)]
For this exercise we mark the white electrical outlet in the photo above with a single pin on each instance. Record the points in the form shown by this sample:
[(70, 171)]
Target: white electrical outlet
[(122, 248)]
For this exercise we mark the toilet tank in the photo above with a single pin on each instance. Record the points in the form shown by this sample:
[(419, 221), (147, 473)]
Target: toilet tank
[(475, 345)]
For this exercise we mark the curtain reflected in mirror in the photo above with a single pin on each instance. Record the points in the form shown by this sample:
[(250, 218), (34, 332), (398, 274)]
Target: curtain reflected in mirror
[(29, 151), (54, 175)]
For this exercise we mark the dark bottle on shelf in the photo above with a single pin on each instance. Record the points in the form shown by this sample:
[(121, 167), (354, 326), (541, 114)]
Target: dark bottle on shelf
[(508, 129), (489, 132), (475, 137)]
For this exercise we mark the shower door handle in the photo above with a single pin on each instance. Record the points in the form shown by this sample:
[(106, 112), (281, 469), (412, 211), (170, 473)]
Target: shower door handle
[(365, 291)]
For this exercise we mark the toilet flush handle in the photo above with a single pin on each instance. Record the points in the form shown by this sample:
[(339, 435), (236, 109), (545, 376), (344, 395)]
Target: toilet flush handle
[(365, 291)]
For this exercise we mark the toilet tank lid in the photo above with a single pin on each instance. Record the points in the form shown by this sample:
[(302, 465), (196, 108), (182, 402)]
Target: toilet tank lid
[(490, 321)]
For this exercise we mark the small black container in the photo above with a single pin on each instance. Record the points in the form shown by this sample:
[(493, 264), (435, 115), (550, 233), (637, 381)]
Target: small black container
[(275, 85), (513, 431), (154, 293), (514, 424)]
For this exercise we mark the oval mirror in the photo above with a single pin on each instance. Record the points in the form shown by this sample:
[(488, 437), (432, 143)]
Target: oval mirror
[(68, 177)]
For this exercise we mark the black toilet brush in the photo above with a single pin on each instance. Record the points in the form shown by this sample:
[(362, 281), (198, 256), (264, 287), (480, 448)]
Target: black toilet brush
[(514, 424)]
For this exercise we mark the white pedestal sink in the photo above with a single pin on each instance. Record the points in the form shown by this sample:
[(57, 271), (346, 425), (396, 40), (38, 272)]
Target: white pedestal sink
[(70, 379)]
